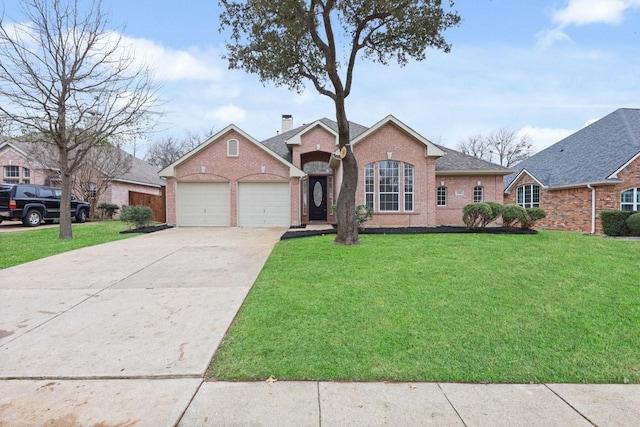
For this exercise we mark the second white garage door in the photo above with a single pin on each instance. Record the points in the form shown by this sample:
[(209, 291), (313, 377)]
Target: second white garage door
[(264, 204), (203, 204)]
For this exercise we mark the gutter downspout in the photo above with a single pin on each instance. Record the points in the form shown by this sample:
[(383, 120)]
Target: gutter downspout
[(593, 208)]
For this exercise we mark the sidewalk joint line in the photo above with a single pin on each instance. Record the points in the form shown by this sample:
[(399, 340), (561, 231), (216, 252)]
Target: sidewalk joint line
[(452, 405), (570, 405)]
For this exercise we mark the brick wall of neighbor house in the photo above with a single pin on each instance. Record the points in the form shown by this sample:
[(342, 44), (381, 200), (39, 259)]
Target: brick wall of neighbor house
[(247, 167), (118, 192), (570, 209), (390, 139), (460, 193), (10, 157)]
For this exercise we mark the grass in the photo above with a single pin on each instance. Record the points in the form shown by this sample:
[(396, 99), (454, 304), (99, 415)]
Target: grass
[(552, 307), (24, 246)]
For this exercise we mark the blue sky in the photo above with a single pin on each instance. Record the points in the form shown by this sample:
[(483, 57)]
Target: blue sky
[(545, 67)]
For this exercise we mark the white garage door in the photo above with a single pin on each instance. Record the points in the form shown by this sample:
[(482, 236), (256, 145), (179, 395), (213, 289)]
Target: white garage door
[(203, 204), (264, 204)]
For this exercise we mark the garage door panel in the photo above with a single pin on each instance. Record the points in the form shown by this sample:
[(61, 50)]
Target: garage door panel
[(264, 204), (203, 204)]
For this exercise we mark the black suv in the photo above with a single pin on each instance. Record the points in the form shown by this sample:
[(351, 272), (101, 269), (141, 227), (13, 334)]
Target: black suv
[(34, 204)]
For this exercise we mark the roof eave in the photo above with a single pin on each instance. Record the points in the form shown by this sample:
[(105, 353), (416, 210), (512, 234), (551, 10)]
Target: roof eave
[(473, 172)]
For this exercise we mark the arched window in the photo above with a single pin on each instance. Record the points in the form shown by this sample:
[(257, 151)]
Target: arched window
[(528, 196), (478, 194), (630, 200), (233, 148)]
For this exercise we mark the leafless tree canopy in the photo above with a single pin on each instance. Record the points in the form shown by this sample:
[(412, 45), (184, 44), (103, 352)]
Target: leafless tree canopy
[(70, 82), (169, 149), (501, 146)]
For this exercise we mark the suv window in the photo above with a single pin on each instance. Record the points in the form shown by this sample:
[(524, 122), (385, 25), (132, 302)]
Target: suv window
[(23, 191), (58, 193), (46, 193)]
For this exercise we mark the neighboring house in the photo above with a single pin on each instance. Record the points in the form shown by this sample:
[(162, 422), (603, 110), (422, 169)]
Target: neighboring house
[(294, 178), (18, 166), (595, 169)]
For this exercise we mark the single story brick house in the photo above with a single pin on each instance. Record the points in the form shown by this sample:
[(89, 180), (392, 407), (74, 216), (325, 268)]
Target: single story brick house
[(595, 169), (18, 166), (294, 178)]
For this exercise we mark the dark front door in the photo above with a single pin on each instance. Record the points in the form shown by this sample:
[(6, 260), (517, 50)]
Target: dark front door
[(318, 198)]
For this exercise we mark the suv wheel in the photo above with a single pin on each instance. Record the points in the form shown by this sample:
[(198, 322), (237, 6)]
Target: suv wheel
[(81, 216), (32, 219)]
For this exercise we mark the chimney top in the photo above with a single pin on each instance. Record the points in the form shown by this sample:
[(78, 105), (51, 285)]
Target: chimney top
[(287, 122)]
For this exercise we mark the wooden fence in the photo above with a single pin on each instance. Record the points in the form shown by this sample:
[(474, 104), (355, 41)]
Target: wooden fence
[(156, 203)]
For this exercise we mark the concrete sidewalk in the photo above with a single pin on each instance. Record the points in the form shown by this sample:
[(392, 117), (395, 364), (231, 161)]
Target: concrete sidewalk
[(122, 334)]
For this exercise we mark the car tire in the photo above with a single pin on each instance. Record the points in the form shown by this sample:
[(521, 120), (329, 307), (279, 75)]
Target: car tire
[(33, 218), (81, 216)]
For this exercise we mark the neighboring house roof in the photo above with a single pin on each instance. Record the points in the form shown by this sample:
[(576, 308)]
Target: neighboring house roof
[(141, 172), (593, 155), (456, 163)]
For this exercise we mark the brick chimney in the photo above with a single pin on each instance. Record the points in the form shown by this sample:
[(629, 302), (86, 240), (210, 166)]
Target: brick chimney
[(287, 122)]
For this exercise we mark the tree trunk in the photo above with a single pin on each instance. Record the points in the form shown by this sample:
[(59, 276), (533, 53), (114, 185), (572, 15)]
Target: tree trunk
[(65, 232), (347, 233)]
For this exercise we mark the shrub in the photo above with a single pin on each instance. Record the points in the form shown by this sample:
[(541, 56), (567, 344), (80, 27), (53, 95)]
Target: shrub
[(532, 215), (633, 224), (496, 210), (512, 214), (477, 215), (139, 215), (363, 214), (614, 222), (107, 210)]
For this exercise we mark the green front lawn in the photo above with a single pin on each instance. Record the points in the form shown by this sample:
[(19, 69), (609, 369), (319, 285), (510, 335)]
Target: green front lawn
[(551, 307), (23, 246)]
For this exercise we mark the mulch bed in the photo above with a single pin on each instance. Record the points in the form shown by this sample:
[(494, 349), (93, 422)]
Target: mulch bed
[(410, 230), (149, 229)]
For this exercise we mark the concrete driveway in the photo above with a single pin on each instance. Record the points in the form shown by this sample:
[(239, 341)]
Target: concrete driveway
[(121, 333)]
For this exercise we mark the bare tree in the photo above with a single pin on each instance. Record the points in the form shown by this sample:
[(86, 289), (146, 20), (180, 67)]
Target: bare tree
[(101, 166), (293, 42), (169, 149), (501, 146), (508, 148), (68, 81), (476, 146)]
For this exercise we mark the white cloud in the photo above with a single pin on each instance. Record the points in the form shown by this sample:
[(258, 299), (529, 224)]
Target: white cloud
[(547, 38), (543, 137), (582, 12), (170, 64), (227, 114)]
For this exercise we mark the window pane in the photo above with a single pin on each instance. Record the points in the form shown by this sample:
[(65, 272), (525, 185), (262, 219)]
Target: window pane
[(478, 194), (408, 202), (369, 185), (408, 187), (389, 187), (442, 196)]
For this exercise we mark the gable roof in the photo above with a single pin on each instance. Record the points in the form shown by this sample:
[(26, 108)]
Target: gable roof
[(431, 148), (592, 155), (293, 171), (278, 143)]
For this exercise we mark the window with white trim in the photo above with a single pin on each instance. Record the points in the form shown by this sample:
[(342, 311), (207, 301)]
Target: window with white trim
[(408, 187), (388, 186), (442, 196), (26, 173), (233, 148), (12, 172), (528, 196), (370, 185), (478, 194), (630, 200)]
